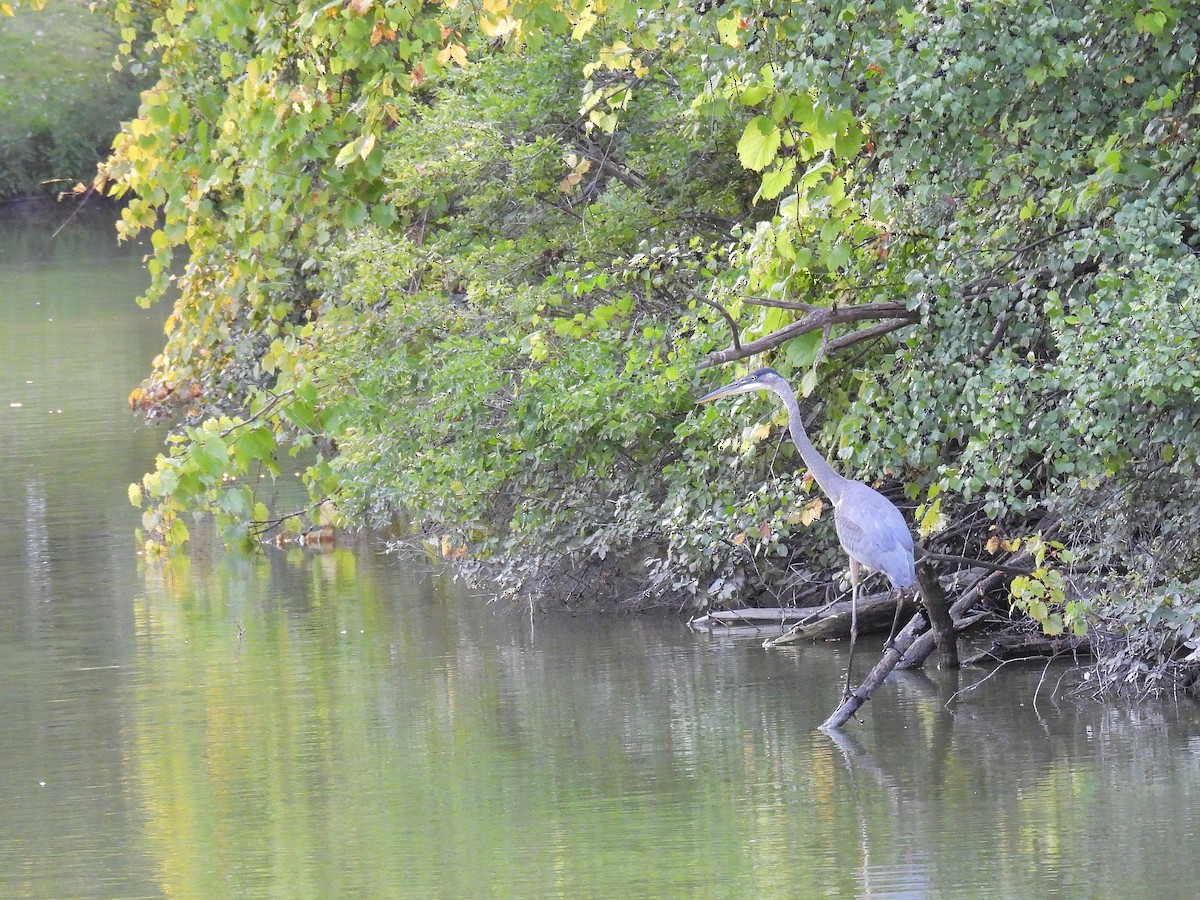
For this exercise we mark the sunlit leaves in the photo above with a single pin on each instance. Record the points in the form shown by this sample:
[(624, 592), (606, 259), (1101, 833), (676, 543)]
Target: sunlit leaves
[(759, 143), (777, 180), (1043, 594), (10, 7)]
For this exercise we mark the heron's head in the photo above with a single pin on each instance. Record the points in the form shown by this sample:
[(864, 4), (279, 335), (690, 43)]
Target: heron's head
[(758, 380)]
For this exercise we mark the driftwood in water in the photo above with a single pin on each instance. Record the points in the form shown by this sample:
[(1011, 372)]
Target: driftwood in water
[(875, 615), (754, 614), (1025, 646), (892, 654), (912, 646), (937, 611), (753, 622), (962, 611)]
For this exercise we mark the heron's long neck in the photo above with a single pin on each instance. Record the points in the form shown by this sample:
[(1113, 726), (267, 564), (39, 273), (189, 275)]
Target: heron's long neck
[(830, 481)]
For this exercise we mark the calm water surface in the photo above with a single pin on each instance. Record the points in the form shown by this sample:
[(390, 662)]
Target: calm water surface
[(344, 724)]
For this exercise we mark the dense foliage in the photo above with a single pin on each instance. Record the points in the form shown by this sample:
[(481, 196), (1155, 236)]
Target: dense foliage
[(468, 262)]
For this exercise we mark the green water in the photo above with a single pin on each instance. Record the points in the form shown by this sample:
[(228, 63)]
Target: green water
[(348, 724)]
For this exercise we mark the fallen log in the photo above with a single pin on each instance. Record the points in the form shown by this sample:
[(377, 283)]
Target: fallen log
[(905, 644), (766, 615), (962, 611), (937, 608), (875, 615)]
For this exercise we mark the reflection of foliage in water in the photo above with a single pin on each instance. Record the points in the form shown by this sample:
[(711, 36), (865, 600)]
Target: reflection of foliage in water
[(435, 748), (341, 743)]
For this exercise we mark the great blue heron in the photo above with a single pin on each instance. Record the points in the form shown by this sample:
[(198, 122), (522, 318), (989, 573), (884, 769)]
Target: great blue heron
[(869, 527)]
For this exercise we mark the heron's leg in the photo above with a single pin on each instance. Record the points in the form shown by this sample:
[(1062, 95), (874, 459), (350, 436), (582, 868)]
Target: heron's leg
[(895, 618), (854, 579)]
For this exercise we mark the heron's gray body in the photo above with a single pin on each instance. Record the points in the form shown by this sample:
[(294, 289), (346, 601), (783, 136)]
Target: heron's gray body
[(873, 533)]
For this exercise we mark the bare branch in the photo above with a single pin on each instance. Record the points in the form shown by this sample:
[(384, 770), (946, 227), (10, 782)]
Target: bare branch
[(700, 298), (780, 304), (867, 334), (898, 316)]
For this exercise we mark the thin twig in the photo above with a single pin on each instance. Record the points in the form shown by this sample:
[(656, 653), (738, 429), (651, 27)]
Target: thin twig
[(696, 295)]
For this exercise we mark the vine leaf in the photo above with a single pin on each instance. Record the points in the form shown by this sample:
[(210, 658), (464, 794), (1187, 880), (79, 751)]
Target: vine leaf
[(759, 143)]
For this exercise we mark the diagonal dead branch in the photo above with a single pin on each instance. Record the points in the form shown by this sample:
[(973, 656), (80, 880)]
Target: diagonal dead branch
[(897, 316)]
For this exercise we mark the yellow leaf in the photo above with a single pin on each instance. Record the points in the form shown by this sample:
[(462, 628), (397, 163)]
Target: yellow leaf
[(739, 539), (135, 494), (450, 549), (931, 521), (811, 511), (368, 144), (501, 27), (455, 52), (1011, 546), (585, 24), (993, 544)]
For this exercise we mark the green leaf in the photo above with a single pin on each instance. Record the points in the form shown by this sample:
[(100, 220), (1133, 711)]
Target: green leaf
[(254, 445), (727, 30), (754, 95), (347, 154), (808, 383), (801, 352), (777, 180), (759, 143), (1150, 21)]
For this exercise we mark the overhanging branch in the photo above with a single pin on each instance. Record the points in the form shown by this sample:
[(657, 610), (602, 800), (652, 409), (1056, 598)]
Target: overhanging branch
[(896, 316)]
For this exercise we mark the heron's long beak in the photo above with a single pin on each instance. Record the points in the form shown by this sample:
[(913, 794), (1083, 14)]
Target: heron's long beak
[(741, 386)]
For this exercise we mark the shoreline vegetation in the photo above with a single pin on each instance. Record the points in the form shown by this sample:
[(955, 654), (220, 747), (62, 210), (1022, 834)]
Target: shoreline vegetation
[(61, 102), (472, 265)]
